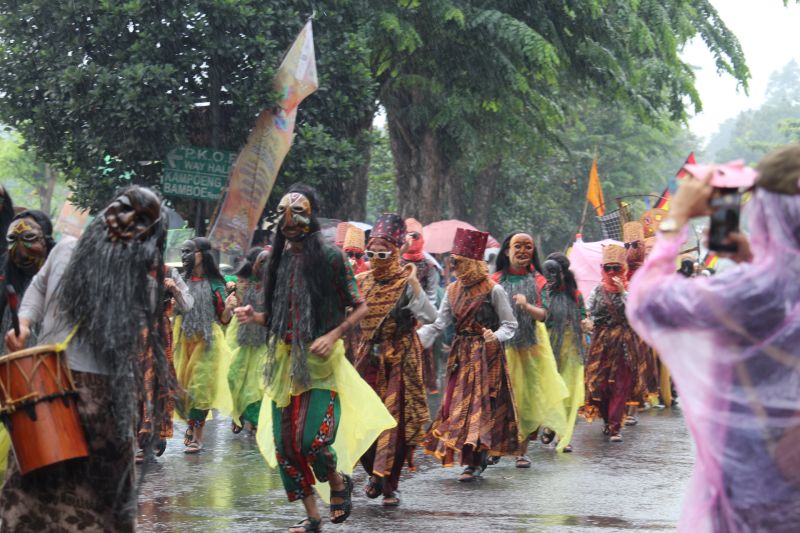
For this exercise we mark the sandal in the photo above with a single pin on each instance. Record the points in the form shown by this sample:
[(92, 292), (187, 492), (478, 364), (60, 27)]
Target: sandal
[(373, 488), (523, 461), (616, 437), (469, 474), (568, 448), (235, 428), (193, 447), (188, 436), (308, 525), (345, 494), (547, 436), (393, 500), (139, 459)]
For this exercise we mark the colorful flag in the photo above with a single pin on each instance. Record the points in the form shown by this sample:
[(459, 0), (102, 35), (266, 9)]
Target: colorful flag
[(594, 194), (672, 185), (711, 260), (256, 167)]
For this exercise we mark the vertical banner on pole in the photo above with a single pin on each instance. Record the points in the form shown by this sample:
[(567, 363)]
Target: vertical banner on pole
[(256, 168)]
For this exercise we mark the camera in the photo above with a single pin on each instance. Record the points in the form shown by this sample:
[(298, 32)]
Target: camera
[(725, 209)]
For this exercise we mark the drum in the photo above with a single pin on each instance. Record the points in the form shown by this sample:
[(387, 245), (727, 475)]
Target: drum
[(38, 404)]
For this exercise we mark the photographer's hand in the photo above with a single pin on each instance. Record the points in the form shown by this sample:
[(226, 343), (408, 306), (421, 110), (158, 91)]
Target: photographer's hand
[(743, 254), (691, 200)]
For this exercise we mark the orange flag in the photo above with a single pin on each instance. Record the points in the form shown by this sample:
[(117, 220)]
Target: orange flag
[(594, 194)]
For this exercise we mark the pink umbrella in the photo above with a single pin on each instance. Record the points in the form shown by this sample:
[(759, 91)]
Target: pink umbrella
[(439, 236), (585, 259)]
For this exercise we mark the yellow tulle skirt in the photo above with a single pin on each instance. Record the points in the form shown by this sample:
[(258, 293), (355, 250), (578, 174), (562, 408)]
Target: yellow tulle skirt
[(246, 372), (539, 390), (202, 370), (363, 415), (572, 374)]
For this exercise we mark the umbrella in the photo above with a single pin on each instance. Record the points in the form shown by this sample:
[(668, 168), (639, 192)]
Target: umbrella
[(439, 235), (585, 259), (363, 226)]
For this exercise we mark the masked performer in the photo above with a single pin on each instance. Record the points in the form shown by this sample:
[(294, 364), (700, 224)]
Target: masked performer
[(246, 341), (354, 248), (565, 315), (477, 417), (201, 353), (428, 277), (30, 240), (645, 388), (731, 342), (390, 354), (323, 416), (99, 288), (539, 390), (177, 296), (614, 347)]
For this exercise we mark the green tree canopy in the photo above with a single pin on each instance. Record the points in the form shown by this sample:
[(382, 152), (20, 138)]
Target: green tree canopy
[(88, 82), (457, 76)]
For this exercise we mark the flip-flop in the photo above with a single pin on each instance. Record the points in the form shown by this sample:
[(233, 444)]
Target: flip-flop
[(393, 500), (309, 525), (523, 461), (193, 447)]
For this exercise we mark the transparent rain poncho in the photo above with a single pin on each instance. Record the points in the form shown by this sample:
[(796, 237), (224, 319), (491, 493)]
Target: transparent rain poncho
[(732, 343)]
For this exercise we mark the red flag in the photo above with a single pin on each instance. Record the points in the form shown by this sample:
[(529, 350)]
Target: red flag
[(663, 203)]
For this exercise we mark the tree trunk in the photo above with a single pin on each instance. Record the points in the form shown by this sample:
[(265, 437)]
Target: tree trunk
[(46, 189), (353, 204), (483, 195), (421, 170)]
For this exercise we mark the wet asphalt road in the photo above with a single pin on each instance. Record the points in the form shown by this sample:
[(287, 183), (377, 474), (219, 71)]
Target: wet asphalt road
[(637, 485)]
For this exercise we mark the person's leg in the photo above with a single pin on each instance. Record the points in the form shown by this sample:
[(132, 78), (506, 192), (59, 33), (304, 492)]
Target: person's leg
[(323, 412), (194, 435), (617, 403), (292, 467)]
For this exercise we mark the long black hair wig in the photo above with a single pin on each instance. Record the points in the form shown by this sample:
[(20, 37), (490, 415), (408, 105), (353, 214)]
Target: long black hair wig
[(313, 257), (210, 267), (570, 284), (502, 262)]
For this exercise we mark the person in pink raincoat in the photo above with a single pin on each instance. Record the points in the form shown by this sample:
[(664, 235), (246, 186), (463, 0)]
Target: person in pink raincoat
[(732, 343)]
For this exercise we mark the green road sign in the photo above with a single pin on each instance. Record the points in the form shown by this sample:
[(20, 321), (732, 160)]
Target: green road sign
[(199, 173)]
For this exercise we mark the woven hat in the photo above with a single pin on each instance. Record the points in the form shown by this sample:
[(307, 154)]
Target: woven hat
[(391, 227), (354, 240), (412, 224), (470, 243), (632, 232), (341, 233), (613, 253)]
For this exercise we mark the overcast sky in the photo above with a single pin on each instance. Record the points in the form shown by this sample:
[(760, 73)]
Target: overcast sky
[(768, 33)]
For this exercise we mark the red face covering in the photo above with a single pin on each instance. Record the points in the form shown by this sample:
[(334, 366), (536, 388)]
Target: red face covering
[(415, 249), (608, 279)]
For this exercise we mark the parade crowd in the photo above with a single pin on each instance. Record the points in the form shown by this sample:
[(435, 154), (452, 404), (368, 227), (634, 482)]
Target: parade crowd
[(327, 352)]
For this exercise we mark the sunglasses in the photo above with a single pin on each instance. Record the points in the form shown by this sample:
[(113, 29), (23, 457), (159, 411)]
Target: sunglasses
[(379, 255), (354, 255), (612, 268), (414, 235), (634, 245)]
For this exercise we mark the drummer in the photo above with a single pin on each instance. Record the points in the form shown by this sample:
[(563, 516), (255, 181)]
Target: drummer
[(99, 288), (30, 240)]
